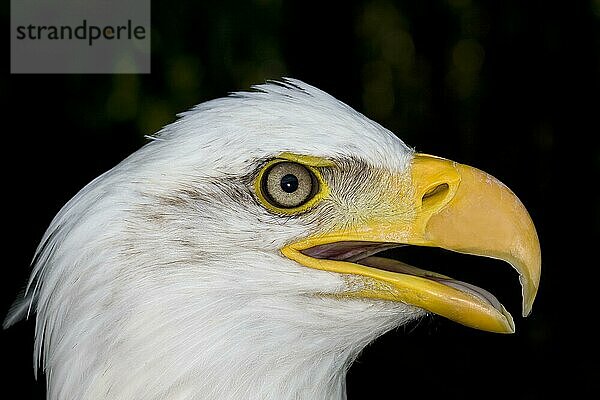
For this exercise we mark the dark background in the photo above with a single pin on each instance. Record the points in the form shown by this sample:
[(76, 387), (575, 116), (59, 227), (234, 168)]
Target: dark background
[(511, 87)]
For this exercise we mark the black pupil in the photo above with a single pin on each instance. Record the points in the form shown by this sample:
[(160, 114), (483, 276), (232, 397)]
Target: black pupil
[(289, 183)]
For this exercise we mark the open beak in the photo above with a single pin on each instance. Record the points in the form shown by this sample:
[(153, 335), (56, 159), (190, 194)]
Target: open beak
[(455, 207)]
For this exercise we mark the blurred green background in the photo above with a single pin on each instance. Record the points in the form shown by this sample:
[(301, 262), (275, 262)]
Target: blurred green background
[(511, 87)]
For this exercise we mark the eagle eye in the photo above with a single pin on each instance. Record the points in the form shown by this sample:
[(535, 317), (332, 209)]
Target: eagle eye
[(288, 184)]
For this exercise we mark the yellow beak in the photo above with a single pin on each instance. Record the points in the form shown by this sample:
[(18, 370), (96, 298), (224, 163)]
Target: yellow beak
[(455, 207)]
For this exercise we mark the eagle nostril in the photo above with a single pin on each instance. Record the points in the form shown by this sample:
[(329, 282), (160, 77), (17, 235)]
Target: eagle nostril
[(435, 193)]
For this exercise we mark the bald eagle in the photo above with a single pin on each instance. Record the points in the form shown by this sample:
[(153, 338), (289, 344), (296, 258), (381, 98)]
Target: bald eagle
[(234, 256)]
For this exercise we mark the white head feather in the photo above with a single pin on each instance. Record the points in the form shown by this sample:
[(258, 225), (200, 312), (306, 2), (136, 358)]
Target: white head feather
[(163, 278)]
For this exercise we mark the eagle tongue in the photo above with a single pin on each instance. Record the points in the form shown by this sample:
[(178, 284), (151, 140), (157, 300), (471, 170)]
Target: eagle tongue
[(472, 289), (404, 268)]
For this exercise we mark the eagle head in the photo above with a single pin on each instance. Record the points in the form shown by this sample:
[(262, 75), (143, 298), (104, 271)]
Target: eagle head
[(234, 255)]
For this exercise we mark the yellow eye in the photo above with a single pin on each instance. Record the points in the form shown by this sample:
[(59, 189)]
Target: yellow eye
[(288, 185), (292, 183)]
